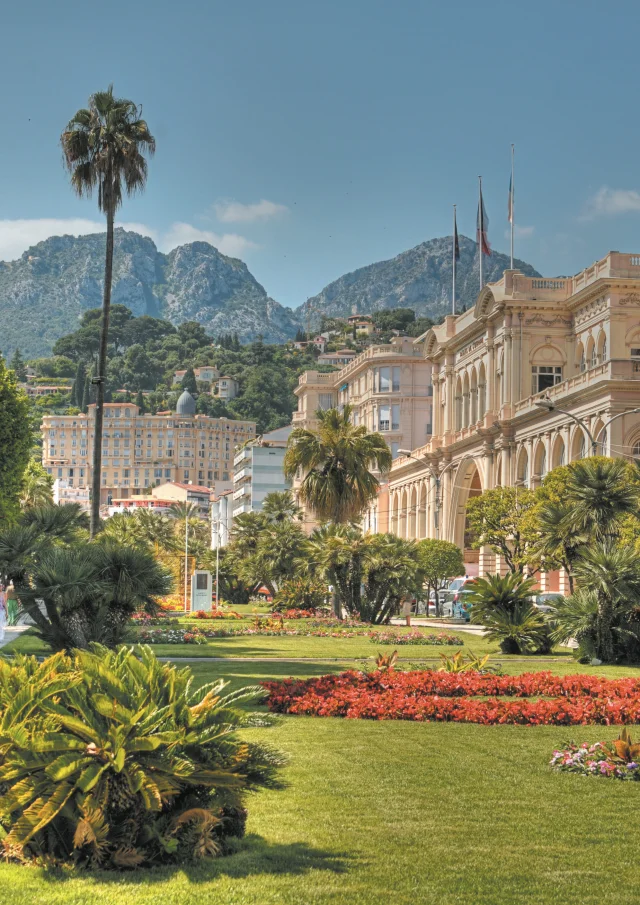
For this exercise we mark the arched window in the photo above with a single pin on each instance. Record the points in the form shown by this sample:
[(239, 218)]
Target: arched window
[(459, 405), (636, 450), (523, 468), (602, 347), (592, 357), (466, 402), (542, 463), (546, 368), (482, 393), (581, 363), (474, 397)]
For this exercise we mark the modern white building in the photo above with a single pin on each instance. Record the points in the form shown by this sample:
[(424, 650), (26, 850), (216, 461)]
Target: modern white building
[(258, 470), (221, 519)]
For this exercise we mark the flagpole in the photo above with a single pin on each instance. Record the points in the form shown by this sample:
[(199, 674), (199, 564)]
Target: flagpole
[(513, 187), (480, 231), (453, 262)]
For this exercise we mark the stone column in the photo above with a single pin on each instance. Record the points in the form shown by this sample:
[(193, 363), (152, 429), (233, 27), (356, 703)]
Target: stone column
[(563, 584), (490, 376), (487, 561), (436, 413), (507, 375)]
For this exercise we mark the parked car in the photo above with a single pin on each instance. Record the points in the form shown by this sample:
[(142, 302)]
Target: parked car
[(454, 587), (546, 602)]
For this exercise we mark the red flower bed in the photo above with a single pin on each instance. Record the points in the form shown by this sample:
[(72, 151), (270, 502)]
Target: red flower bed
[(426, 695)]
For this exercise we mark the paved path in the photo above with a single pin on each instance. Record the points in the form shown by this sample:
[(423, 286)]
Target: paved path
[(512, 659), (11, 632), (422, 621)]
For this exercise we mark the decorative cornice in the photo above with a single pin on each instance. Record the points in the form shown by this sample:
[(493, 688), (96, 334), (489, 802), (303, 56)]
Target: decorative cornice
[(597, 306), (547, 321)]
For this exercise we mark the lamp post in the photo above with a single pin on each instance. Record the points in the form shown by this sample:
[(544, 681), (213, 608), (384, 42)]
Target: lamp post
[(549, 406)]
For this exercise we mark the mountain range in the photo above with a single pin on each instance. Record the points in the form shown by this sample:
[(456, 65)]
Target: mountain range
[(44, 293)]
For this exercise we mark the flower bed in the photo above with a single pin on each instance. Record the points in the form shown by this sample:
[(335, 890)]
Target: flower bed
[(428, 695), (594, 760), (415, 637), (276, 629)]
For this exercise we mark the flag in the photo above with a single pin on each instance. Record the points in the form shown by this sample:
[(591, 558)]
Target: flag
[(456, 241), (482, 225), (510, 206)]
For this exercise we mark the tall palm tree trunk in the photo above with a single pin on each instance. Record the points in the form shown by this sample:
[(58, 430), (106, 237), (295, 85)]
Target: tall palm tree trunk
[(101, 375)]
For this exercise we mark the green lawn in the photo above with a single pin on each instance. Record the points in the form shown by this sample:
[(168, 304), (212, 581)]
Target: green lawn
[(393, 812), (403, 813)]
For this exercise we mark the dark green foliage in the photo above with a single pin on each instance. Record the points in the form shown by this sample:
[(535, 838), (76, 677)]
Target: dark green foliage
[(18, 366), (504, 605), (189, 382), (114, 760), (86, 395), (15, 441), (89, 591), (140, 402), (77, 393)]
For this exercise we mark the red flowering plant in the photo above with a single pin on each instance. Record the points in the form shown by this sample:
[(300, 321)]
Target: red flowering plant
[(468, 697)]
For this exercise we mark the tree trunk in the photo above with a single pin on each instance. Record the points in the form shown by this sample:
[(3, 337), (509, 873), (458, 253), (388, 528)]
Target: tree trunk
[(96, 482), (336, 606)]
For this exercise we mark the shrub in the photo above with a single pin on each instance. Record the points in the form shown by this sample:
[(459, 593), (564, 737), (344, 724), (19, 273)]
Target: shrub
[(503, 605), (114, 761)]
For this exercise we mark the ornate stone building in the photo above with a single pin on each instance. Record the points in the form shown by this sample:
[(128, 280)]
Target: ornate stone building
[(389, 387), (575, 340)]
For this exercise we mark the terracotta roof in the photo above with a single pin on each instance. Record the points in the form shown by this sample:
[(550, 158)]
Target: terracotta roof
[(196, 487)]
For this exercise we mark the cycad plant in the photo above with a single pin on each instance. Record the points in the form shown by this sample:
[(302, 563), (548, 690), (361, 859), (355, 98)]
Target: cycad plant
[(104, 148), (114, 760), (391, 572), (504, 606)]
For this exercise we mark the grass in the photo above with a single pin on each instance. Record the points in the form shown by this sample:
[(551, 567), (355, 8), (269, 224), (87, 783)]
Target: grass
[(402, 812), (409, 813)]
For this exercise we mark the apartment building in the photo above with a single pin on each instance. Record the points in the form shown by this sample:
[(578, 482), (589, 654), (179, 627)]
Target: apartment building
[(575, 341), (141, 451), (258, 470)]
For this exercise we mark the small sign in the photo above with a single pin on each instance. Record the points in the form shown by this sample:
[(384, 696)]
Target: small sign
[(201, 587)]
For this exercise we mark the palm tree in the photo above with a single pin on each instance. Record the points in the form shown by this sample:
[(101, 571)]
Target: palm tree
[(391, 572), (337, 460), (560, 536), (280, 506), (600, 494), (104, 146), (335, 554), (37, 486), (182, 510), (611, 573)]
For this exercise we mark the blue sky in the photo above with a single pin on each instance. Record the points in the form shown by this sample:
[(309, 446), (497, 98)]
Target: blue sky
[(310, 139)]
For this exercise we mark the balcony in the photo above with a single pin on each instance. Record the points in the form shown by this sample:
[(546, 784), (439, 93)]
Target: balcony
[(244, 491), (620, 369)]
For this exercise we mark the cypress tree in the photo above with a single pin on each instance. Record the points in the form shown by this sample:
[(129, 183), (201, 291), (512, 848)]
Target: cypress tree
[(189, 382), (140, 402), (18, 366), (236, 343), (77, 393), (86, 395)]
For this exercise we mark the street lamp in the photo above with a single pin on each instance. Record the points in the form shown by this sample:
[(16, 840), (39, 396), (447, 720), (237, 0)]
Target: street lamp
[(549, 406)]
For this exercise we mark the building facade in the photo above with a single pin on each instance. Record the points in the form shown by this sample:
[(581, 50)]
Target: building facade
[(258, 470), (574, 341), (142, 451)]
